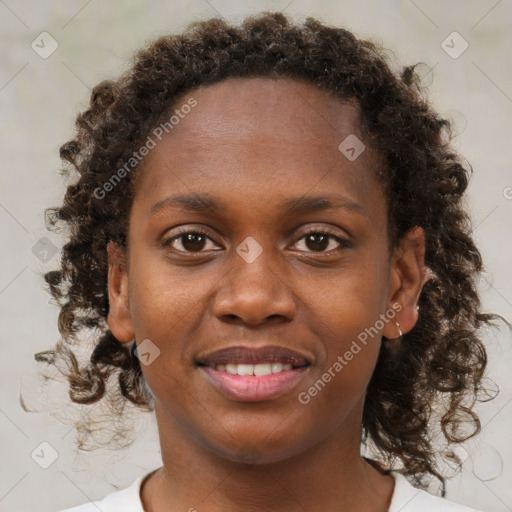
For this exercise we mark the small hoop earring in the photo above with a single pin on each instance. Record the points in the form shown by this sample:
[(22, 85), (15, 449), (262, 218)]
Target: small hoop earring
[(399, 330)]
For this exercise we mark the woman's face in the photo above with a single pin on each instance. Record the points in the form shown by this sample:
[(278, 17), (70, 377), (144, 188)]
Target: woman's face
[(285, 263)]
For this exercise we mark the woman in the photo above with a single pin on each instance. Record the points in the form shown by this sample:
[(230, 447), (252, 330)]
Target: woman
[(268, 230)]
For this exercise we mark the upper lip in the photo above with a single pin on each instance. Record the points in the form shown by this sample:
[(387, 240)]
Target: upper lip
[(240, 354)]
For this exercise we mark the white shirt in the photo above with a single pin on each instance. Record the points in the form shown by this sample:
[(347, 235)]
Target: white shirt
[(406, 498)]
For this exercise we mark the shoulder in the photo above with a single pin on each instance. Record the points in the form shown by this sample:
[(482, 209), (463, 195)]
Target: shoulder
[(407, 498), (127, 500)]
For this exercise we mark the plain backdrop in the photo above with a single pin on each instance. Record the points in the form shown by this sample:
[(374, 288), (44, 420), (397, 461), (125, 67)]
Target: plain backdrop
[(40, 95)]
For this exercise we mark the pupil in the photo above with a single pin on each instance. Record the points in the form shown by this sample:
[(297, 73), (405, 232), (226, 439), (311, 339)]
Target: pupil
[(321, 240), (192, 241)]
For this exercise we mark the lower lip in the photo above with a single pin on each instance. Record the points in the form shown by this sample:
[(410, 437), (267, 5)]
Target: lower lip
[(247, 388)]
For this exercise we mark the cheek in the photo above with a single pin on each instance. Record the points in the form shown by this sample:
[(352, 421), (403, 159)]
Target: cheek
[(348, 319), (164, 307), (338, 383), (165, 298)]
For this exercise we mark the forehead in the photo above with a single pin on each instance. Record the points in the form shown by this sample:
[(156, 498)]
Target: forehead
[(261, 133), (251, 107)]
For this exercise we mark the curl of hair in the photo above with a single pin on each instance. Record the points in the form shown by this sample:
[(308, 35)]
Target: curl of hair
[(442, 359)]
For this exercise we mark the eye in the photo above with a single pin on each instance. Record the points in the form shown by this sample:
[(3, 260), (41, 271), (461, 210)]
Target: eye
[(196, 241), (190, 241), (317, 240)]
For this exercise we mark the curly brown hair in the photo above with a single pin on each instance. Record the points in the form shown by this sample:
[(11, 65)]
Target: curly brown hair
[(440, 363)]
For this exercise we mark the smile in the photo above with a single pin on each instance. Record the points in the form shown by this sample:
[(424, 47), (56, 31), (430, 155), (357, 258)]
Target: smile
[(253, 388), (253, 374), (257, 370)]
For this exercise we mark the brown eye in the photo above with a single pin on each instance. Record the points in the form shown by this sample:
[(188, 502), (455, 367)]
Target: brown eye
[(189, 242), (193, 241), (320, 242), (317, 241)]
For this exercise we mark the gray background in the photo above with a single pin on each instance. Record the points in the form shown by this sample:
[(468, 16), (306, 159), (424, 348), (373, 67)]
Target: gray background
[(39, 99)]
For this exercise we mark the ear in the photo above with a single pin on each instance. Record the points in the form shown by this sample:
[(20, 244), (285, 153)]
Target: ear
[(118, 319), (408, 276)]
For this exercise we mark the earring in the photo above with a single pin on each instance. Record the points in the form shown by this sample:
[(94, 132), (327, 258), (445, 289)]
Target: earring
[(399, 331)]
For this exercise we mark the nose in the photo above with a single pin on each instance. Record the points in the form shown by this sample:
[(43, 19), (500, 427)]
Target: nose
[(254, 292)]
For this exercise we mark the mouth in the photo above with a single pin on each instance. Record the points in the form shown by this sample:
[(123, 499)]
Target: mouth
[(245, 374), (255, 370)]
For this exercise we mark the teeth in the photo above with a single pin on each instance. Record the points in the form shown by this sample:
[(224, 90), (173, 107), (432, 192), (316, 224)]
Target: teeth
[(262, 369), (245, 369), (277, 367), (232, 368), (256, 370)]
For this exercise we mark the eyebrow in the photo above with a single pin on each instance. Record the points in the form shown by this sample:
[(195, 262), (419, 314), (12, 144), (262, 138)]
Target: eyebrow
[(204, 203)]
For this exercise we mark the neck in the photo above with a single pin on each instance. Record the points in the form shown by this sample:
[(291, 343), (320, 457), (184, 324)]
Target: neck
[(327, 476)]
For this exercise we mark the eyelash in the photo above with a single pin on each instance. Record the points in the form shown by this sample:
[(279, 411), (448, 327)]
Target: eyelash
[(344, 244)]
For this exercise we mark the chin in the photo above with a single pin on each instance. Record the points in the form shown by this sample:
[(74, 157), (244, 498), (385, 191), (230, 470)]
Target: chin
[(261, 450)]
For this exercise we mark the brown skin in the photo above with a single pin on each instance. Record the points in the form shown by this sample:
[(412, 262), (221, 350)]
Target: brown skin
[(252, 143)]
